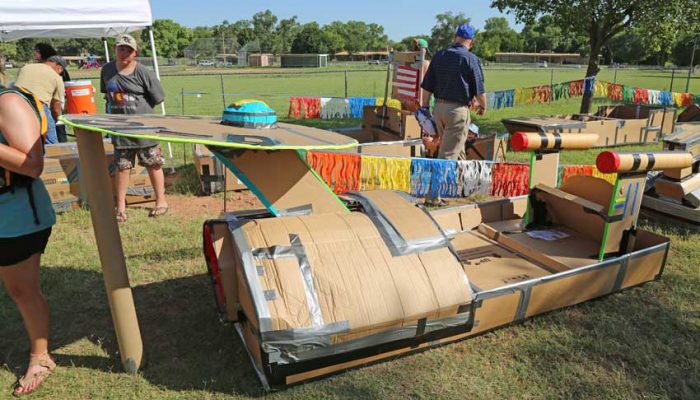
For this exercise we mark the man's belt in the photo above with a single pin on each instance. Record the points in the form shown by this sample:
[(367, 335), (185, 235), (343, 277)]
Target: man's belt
[(459, 103)]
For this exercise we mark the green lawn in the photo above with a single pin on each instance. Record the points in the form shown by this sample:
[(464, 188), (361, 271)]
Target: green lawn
[(643, 343)]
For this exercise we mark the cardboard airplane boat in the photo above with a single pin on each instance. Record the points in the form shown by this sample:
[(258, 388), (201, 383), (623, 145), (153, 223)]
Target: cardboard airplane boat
[(330, 284), (675, 193), (316, 284), (615, 125)]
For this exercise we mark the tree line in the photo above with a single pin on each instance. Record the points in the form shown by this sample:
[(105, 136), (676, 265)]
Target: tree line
[(265, 32)]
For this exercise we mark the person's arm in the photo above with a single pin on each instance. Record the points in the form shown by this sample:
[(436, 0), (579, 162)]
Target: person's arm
[(428, 85), (478, 76), (24, 152), (55, 107), (154, 90), (482, 104)]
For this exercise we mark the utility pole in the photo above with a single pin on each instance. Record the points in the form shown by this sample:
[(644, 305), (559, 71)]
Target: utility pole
[(691, 66)]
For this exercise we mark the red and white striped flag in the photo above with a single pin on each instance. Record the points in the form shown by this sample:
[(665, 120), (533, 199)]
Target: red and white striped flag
[(406, 83)]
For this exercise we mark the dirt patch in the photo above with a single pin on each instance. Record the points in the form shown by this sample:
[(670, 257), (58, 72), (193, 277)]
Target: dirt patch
[(192, 206)]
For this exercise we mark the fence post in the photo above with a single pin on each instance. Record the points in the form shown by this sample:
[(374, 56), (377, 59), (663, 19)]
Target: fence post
[(223, 93), (346, 83), (673, 75), (551, 82), (182, 99)]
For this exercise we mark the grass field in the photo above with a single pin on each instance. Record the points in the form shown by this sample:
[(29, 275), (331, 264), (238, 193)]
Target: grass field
[(643, 343)]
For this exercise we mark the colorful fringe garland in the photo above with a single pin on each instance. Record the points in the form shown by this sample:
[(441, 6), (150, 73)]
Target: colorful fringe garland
[(567, 171), (434, 178), (425, 177), (510, 180), (340, 171), (385, 173), (474, 177)]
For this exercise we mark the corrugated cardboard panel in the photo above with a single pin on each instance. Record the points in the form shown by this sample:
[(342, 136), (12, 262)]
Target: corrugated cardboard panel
[(489, 265), (677, 189), (572, 290), (226, 258), (496, 311), (285, 180), (643, 269), (411, 222), (355, 277)]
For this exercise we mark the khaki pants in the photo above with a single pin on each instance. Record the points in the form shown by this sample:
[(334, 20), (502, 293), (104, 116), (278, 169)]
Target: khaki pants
[(452, 122)]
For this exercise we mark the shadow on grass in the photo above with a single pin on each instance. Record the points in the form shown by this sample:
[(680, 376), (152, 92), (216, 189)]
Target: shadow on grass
[(652, 345), (186, 347)]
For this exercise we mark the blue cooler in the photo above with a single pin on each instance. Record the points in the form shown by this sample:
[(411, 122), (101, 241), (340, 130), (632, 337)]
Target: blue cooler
[(249, 114)]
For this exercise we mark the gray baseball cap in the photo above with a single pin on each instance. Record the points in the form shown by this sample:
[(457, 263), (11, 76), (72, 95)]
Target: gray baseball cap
[(58, 60), (127, 40)]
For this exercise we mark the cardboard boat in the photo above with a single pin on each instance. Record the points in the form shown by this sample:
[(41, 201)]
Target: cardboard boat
[(615, 125), (675, 192), (317, 284), (313, 294)]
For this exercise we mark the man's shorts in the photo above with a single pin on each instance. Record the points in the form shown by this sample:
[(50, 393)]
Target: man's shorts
[(17, 249), (148, 157)]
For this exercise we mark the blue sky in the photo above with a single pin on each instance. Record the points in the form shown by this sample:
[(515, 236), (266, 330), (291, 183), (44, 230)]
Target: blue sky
[(399, 18)]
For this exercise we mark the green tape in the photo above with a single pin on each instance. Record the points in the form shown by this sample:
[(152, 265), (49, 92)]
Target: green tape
[(210, 142), (611, 211)]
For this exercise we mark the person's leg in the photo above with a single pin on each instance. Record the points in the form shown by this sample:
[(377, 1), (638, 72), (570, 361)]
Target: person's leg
[(21, 282), (152, 158), (124, 159), (455, 133), (61, 133)]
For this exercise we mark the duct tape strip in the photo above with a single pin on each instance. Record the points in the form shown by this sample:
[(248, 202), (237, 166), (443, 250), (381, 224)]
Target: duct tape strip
[(251, 273), (619, 279), (297, 211), (397, 245), (296, 250), (290, 351), (525, 295), (307, 276)]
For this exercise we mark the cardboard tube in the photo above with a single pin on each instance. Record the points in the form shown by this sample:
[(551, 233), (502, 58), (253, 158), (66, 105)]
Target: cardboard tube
[(95, 176), (520, 141), (610, 161)]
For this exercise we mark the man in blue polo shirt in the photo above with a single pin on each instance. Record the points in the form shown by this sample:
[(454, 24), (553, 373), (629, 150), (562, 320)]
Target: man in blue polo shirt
[(455, 78)]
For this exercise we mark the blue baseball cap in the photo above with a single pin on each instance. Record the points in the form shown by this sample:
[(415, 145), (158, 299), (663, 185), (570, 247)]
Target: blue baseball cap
[(466, 31)]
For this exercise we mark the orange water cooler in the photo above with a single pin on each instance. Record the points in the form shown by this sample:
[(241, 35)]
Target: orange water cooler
[(80, 97)]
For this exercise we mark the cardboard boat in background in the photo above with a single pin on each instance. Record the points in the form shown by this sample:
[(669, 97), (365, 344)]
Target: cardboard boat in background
[(676, 193), (615, 125)]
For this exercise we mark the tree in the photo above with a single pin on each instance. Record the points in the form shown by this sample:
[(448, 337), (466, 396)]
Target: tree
[(285, 32), (497, 36), (683, 50), (601, 20), (309, 40), (263, 28), (171, 39), (443, 32), (544, 34)]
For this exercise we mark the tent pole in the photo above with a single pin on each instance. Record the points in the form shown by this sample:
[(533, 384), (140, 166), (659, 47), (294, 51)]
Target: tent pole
[(162, 105), (106, 50)]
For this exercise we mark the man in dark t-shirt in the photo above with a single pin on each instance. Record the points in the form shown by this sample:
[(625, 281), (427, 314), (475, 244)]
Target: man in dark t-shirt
[(455, 78), (130, 88)]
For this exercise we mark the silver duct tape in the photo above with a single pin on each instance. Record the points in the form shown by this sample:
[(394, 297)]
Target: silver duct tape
[(294, 351), (260, 269), (524, 302), (298, 211), (273, 252), (270, 295), (307, 275), (296, 250), (619, 279), (251, 274), (396, 244)]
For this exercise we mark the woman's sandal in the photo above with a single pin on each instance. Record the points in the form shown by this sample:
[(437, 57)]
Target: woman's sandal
[(48, 365), (121, 216), (158, 211)]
